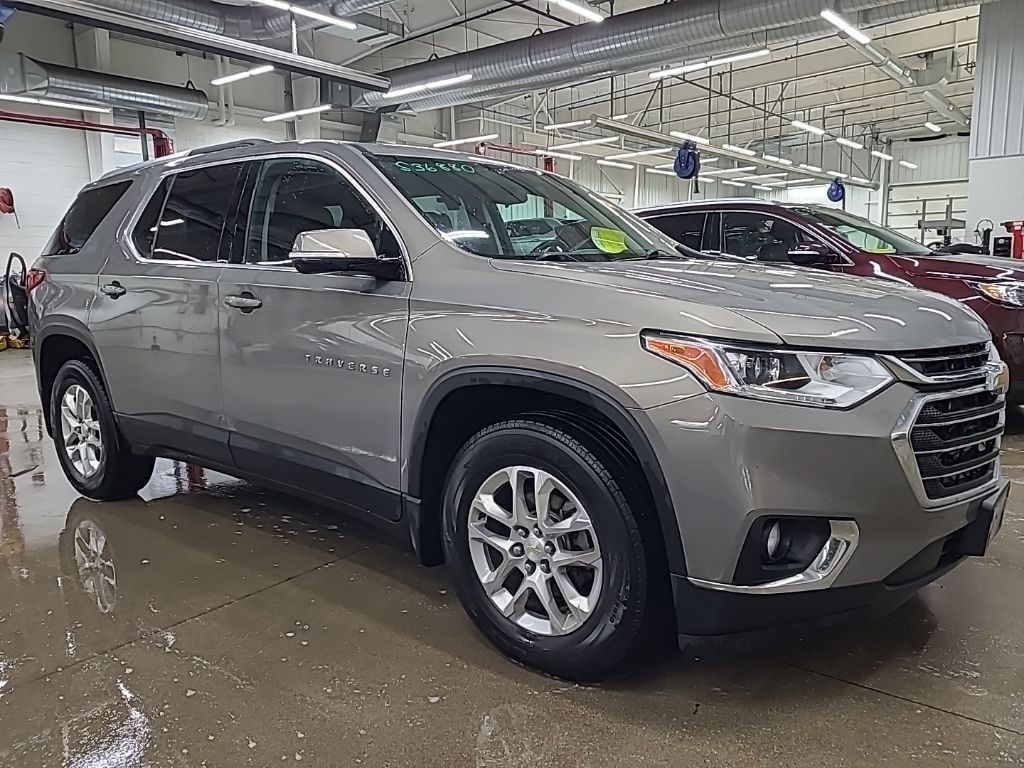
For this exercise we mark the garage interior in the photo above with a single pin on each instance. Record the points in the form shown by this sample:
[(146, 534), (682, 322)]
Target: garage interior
[(230, 625)]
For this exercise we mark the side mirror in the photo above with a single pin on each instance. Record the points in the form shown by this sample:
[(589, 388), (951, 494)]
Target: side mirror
[(813, 255), (335, 250)]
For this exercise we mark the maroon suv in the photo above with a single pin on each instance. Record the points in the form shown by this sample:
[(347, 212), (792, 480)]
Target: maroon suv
[(827, 238)]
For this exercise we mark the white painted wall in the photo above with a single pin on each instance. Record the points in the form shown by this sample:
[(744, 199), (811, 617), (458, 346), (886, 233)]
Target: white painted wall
[(995, 191), (44, 167)]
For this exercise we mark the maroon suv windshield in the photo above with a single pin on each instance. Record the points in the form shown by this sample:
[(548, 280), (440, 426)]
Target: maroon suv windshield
[(862, 234)]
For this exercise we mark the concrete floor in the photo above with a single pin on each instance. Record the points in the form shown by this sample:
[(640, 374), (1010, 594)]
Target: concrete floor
[(246, 628)]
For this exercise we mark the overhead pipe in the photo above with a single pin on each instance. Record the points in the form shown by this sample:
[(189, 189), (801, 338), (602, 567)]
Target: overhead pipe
[(243, 22), (630, 42), (201, 39), (21, 75), (163, 146), (911, 80)]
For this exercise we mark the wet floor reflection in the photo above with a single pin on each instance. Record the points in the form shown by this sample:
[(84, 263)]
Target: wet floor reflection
[(212, 622)]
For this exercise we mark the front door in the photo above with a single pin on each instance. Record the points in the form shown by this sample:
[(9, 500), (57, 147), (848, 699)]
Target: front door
[(312, 364), (155, 319)]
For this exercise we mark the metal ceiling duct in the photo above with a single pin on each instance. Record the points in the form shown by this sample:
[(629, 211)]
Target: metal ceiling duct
[(20, 75), (244, 22), (634, 41)]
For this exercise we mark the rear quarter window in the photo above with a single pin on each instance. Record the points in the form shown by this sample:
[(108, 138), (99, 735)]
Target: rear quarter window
[(81, 220)]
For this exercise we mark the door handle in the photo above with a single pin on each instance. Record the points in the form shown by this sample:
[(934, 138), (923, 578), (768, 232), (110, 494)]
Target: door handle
[(245, 302), (114, 290)]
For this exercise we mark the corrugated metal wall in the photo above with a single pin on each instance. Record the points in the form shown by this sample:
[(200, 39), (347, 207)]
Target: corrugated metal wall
[(939, 160), (998, 115)]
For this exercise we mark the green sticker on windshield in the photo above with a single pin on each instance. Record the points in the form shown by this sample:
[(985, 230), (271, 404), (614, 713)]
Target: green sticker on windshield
[(608, 240)]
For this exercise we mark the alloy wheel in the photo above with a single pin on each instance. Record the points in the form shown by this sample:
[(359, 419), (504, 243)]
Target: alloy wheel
[(80, 428), (535, 550)]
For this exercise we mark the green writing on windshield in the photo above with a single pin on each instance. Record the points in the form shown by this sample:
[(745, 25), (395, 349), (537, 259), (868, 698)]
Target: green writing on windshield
[(408, 166)]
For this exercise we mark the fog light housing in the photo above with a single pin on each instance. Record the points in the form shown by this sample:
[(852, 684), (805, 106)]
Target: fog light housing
[(779, 547)]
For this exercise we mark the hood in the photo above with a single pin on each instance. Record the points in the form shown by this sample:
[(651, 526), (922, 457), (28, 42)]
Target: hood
[(961, 265), (803, 307)]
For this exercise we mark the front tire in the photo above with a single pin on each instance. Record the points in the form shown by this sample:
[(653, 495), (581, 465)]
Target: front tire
[(93, 454), (544, 549)]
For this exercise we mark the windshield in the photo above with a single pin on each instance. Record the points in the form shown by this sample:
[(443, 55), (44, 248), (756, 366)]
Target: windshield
[(504, 211), (863, 234)]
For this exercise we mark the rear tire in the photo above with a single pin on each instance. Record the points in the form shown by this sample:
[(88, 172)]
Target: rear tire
[(569, 604), (93, 454)]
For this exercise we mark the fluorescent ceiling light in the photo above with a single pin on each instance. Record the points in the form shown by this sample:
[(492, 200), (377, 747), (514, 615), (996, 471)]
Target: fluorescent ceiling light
[(297, 113), (807, 127), (613, 164), (262, 70), (881, 155), (741, 150), (586, 142), (777, 183), (433, 85), (861, 179), (843, 25), (806, 167), (58, 104), (776, 159), (762, 176), (762, 188), (733, 183), (689, 137), (299, 10), (638, 153), (559, 155), (909, 165), (737, 169), (661, 172), (849, 143), (570, 124), (586, 13), (620, 117), (707, 179), (932, 127), (470, 140), (840, 174), (698, 66)]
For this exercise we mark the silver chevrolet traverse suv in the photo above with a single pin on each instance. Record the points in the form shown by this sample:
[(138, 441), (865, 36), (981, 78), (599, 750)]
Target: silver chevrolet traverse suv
[(591, 435)]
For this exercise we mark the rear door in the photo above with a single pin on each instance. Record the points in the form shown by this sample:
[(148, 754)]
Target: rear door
[(312, 366), (155, 320), (686, 227)]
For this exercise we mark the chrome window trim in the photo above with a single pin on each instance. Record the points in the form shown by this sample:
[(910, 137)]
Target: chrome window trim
[(908, 459), (820, 574), (173, 169)]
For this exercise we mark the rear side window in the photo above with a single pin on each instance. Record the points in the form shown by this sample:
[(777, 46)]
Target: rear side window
[(190, 223), (81, 220), (145, 231), (685, 228)]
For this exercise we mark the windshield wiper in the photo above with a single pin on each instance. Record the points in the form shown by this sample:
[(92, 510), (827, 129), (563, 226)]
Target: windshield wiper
[(656, 255)]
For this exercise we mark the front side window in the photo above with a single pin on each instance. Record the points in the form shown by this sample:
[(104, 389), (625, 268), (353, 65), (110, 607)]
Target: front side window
[(81, 220), (761, 236), (479, 204), (299, 195), (191, 222), (862, 234)]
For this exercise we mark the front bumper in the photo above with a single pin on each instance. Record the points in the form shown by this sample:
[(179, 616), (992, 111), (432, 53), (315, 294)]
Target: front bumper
[(731, 461)]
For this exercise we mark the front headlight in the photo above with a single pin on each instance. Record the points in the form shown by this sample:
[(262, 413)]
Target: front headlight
[(823, 379), (1011, 293)]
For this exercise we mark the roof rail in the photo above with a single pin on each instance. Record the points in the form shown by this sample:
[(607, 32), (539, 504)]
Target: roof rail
[(228, 145)]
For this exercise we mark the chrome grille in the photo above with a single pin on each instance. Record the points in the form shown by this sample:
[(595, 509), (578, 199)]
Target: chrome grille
[(946, 364), (955, 441)]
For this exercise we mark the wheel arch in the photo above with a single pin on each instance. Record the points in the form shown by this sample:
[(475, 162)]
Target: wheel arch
[(426, 517), (56, 343)]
